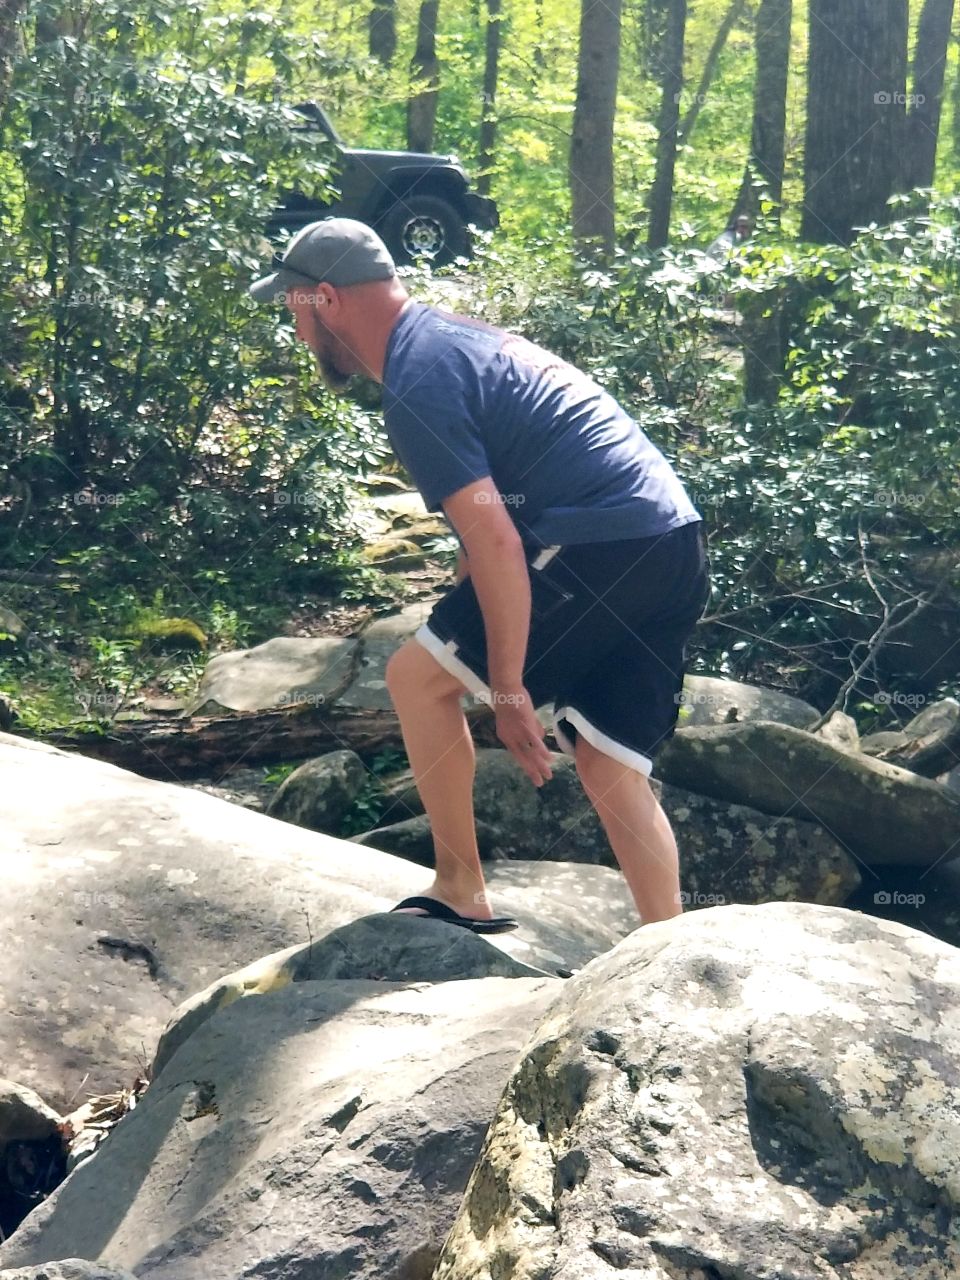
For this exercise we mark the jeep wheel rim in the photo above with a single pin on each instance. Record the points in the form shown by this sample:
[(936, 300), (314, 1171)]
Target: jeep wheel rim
[(423, 236)]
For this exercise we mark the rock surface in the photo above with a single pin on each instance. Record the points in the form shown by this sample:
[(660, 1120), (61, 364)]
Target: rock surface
[(396, 948), (412, 839), (880, 813), (24, 1116), (729, 853), (327, 1129), (840, 731), (928, 745), (68, 1269), (688, 1109), (320, 791), (368, 691), (280, 672), (714, 700), (123, 896)]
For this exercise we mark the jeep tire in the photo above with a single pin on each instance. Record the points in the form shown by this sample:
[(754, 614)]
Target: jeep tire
[(424, 226)]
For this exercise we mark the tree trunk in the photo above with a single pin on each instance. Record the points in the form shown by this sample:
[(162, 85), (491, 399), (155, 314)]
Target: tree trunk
[(539, 57), (591, 144), (383, 31), (767, 139), (923, 119), (856, 115), (710, 67), (425, 75), (488, 123), (196, 745), (9, 13), (669, 59)]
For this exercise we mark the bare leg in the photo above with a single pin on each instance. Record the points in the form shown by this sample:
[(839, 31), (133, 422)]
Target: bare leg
[(638, 830), (441, 753)]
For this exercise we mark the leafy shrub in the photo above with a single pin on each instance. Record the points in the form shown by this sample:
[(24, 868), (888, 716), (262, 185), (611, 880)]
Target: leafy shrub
[(147, 407), (853, 461)]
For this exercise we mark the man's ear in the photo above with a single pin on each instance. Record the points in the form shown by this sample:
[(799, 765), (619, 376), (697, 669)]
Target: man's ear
[(326, 297)]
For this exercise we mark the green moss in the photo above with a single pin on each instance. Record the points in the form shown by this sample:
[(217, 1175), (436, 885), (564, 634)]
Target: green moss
[(169, 634)]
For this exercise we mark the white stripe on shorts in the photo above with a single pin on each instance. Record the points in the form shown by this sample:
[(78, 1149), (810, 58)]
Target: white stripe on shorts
[(445, 652), (609, 746)]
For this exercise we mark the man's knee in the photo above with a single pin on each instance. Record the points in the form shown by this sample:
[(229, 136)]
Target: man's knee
[(402, 673), (413, 672), (601, 773)]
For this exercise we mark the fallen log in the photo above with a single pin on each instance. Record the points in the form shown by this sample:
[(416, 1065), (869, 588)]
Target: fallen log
[(175, 748)]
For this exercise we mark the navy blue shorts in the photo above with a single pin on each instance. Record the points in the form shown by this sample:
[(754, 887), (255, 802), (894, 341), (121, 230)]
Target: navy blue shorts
[(609, 628)]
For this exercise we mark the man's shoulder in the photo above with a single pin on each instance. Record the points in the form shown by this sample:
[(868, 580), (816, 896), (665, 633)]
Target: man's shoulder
[(435, 346)]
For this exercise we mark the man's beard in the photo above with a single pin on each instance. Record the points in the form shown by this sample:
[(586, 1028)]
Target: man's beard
[(325, 353), (332, 376)]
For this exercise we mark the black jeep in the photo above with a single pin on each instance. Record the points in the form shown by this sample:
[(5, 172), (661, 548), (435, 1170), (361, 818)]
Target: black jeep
[(420, 204)]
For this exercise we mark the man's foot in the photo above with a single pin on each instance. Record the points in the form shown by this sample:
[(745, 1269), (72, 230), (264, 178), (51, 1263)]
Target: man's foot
[(470, 906), (431, 905)]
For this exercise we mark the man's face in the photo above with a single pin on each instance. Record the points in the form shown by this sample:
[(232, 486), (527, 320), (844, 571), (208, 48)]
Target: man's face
[(332, 355)]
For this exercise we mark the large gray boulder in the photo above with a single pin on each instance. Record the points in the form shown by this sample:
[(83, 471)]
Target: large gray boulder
[(325, 1129), (881, 813), (396, 948), (281, 672), (715, 700), (729, 852), (368, 691), (749, 1092), (841, 731), (929, 744), (413, 839), (24, 1116), (319, 792), (123, 896), (346, 674)]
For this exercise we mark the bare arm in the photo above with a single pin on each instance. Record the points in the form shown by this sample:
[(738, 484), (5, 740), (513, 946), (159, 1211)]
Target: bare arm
[(501, 580)]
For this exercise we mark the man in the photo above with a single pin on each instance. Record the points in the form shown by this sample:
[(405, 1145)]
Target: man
[(582, 571), (735, 234)]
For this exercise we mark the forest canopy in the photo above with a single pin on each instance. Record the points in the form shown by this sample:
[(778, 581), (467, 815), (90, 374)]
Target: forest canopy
[(165, 446)]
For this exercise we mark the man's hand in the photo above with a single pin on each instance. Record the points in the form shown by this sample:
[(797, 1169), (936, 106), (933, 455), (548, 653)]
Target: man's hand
[(522, 733)]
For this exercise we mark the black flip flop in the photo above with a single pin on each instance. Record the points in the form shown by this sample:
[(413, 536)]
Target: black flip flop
[(440, 911)]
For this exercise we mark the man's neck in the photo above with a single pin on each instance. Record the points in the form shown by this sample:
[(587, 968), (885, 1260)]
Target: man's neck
[(389, 323)]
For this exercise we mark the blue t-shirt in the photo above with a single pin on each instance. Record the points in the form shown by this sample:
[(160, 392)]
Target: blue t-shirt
[(463, 400)]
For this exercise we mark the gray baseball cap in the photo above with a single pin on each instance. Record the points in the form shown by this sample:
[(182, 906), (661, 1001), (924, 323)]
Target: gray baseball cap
[(337, 251)]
